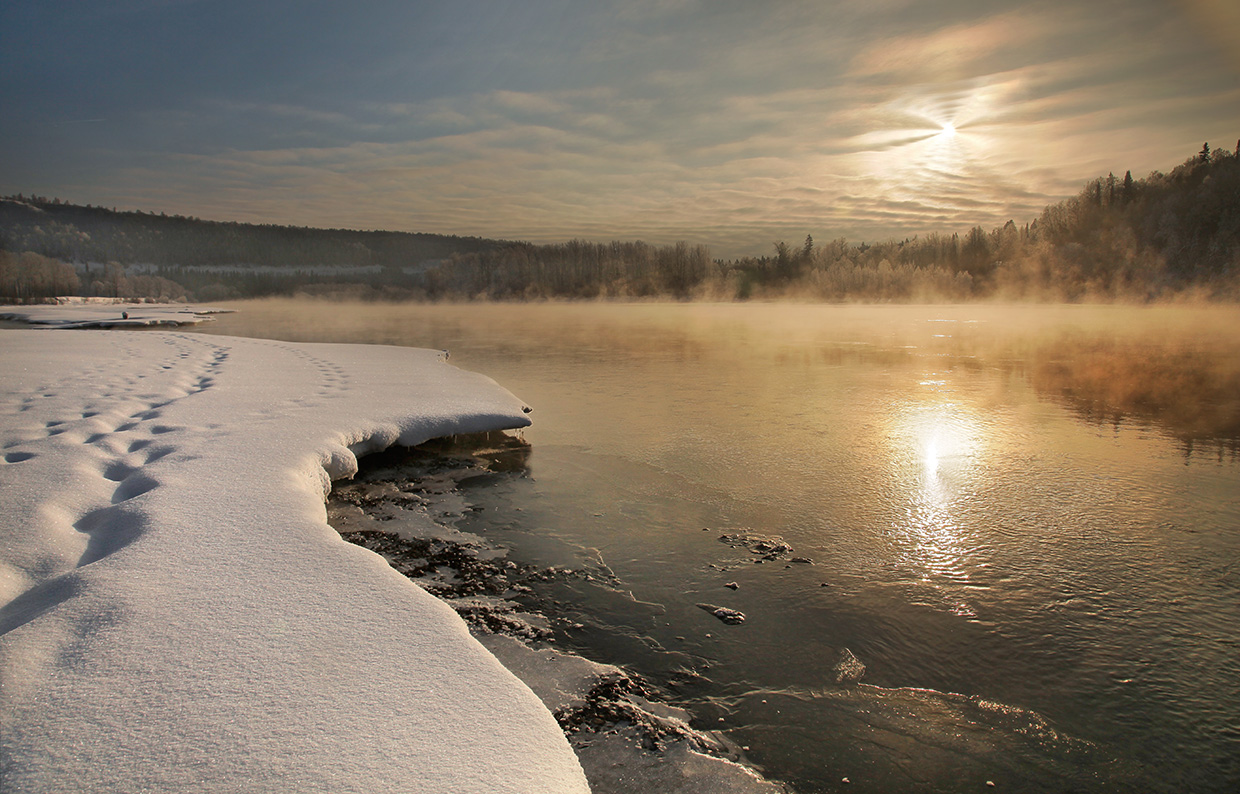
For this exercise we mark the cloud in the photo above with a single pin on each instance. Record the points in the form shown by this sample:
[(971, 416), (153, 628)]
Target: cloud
[(727, 123), (1219, 21), (948, 53)]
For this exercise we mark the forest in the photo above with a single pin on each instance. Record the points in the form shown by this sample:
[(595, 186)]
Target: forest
[(1164, 236)]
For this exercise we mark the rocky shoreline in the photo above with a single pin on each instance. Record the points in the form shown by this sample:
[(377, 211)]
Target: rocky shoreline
[(625, 736)]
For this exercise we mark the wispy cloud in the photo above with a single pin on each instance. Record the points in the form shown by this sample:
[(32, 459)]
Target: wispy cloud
[(950, 53), (728, 123)]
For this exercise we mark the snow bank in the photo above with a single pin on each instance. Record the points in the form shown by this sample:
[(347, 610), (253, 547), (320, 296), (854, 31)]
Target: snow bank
[(175, 612), (86, 313)]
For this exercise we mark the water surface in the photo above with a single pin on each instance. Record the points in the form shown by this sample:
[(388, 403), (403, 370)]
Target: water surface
[(1023, 521)]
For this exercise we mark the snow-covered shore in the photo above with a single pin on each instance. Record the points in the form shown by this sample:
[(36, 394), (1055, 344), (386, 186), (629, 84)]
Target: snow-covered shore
[(107, 313), (177, 615)]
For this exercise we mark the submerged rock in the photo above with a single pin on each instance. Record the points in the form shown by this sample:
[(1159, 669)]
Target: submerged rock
[(624, 737), (730, 616), (849, 668), (770, 547)]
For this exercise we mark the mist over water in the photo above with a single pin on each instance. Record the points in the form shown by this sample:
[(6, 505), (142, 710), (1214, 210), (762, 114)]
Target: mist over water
[(1023, 521)]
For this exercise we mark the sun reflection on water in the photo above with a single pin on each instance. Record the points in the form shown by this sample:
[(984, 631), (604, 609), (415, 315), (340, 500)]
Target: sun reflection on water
[(937, 445)]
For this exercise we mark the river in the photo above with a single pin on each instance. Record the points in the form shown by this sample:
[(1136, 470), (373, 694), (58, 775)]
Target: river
[(1014, 531)]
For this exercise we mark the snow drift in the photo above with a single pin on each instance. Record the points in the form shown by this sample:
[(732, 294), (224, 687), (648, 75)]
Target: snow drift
[(177, 615)]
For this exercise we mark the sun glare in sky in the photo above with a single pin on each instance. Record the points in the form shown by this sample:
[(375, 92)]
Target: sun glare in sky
[(544, 121)]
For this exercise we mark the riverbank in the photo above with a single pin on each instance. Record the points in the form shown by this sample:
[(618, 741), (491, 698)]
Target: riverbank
[(401, 506), (108, 313)]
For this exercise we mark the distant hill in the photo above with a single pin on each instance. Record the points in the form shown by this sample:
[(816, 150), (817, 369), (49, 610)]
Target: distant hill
[(74, 233), (140, 252)]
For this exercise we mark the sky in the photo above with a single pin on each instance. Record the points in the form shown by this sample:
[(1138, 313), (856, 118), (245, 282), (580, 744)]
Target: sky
[(730, 123)]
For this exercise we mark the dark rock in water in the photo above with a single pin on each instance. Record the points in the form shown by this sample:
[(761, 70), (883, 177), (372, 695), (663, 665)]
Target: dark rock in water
[(731, 585), (771, 547), (730, 616), (803, 560)]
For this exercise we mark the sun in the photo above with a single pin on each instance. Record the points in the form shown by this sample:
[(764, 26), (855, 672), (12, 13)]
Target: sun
[(948, 130)]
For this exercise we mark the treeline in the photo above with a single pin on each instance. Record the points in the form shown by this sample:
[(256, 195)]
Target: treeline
[(576, 269), (1118, 239), (30, 277)]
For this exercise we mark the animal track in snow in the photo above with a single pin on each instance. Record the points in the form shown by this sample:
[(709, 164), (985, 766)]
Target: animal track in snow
[(124, 409), (109, 529), (125, 422), (133, 486), (118, 471)]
